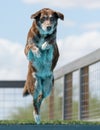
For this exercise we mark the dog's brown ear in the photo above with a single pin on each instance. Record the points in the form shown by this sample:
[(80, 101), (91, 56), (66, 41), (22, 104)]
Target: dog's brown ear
[(60, 15), (37, 14)]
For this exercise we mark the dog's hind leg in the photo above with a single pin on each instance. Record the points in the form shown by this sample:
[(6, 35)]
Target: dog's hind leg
[(37, 99), (43, 89), (47, 86), (37, 105)]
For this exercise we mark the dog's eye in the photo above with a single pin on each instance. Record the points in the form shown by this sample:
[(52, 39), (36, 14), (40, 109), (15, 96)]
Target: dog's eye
[(51, 19), (43, 19)]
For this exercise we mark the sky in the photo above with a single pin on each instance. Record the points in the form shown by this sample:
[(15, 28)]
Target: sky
[(77, 35)]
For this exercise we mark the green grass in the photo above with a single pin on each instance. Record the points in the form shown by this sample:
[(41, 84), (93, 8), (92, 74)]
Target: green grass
[(53, 122)]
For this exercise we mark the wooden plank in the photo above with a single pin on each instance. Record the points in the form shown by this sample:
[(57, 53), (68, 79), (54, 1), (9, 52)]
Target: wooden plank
[(51, 105), (12, 84), (67, 112), (77, 64), (84, 93), (49, 127)]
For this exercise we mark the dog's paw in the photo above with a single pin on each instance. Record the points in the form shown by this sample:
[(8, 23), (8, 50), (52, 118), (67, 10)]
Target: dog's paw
[(36, 117), (36, 52), (45, 45)]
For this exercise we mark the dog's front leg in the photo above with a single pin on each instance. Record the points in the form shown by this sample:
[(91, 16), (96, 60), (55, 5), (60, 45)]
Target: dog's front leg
[(36, 51), (45, 46), (33, 47)]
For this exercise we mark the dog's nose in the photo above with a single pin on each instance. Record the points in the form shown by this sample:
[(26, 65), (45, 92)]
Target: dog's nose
[(49, 28)]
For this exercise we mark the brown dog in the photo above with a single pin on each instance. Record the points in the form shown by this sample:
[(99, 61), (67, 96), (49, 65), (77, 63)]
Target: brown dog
[(42, 52)]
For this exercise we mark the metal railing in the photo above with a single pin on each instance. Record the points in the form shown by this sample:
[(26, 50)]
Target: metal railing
[(75, 94)]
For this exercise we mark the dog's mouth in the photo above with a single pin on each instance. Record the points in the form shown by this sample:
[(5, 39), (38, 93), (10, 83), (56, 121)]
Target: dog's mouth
[(47, 29)]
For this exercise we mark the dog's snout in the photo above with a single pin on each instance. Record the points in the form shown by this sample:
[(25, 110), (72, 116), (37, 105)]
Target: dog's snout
[(49, 28)]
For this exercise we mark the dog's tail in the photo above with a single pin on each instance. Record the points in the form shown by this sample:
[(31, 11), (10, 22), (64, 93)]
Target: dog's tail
[(28, 88), (25, 91)]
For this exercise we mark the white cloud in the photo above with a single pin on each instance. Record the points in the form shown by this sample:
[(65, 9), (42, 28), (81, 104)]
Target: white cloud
[(91, 26), (13, 64), (73, 47), (90, 4), (69, 23)]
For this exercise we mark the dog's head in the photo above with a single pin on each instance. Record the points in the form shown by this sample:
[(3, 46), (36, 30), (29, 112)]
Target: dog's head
[(46, 20)]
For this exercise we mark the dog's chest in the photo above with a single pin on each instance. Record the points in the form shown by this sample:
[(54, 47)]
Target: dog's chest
[(43, 63)]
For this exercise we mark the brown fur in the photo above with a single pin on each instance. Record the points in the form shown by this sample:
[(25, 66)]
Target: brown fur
[(29, 85)]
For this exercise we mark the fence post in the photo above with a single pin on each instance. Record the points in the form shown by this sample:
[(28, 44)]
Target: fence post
[(51, 105), (84, 94), (67, 110), (79, 103)]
